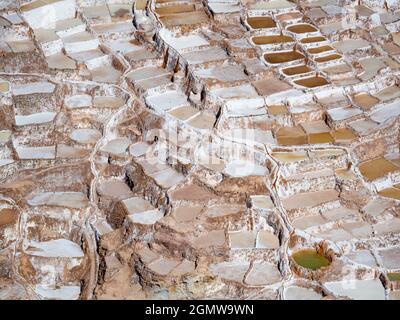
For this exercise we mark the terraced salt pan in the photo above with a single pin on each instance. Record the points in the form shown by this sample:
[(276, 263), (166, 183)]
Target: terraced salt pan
[(317, 131), (375, 207), (262, 273), (390, 257), (184, 267), (166, 101), (316, 14), (246, 91), (116, 146), (71, 152), (363, 257), (86, 56), (202, 121), (358, 289), (82, 41), (206, 55), (147, 73), (306, 222), (331, 27), (102, 227), (36, 118), (59, 248), (245, 107), (335, 234), (30, 153), (250, 136), (184, 113), (69, 26), (251, 239), (108, 102), (60, 293), (4, 87), (363, 127), (290, 156), (221, 210), (152, 85), (141, 55), (106, 74), (120, 11), (136, 205), (364, 11), (163, 265), (272, 5), (124, 46), (186, 213), (242, 239), (167, 178), (349, 45), (296, 70), (75, 200), (14, 290), (312, 82), (386, 112), (332, 9), (60, 61), (266, 240), (300, 293), (21, 46), (140, 211), (261, 202), (146, 218), (221, 8), (377, 168), (46, 37), (317, 174), (214, 238), (301, 28), (138, 149), (365, 100), (272, 87), (113, 28), (225, 73), (291, 136), (358, 229), (96, 12), (229, 271), (276, 58), (320, 3), (4, 162), (262, 22), (184, 42), (33, 88), (339, 114), (114, 189), (340, 213), (391, 225), (291, 16), (242, 168), (13, 17), (78, 101), (309, 199), (85, 136), (371, 66), (389, 17), (33, 12), (388, 93), (185, 18)]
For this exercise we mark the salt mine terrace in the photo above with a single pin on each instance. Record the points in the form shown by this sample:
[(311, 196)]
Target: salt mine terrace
[(199, 150)]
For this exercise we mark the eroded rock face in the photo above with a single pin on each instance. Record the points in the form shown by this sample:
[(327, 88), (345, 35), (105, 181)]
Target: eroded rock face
[(194, 150)]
